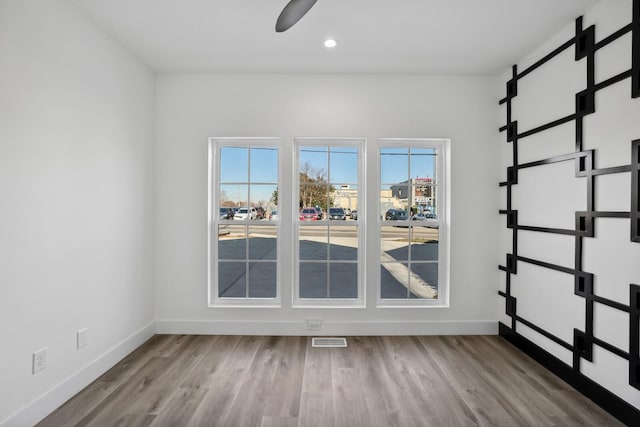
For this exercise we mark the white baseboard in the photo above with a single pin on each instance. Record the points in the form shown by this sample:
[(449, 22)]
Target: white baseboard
[(43, 405), (299, 328)]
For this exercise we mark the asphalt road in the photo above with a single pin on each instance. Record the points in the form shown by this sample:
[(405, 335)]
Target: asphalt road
[(342, 229)]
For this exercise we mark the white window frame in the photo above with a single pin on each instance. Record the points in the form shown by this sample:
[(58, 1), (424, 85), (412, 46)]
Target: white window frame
[(215, 143), (443, 179), (359, 302)]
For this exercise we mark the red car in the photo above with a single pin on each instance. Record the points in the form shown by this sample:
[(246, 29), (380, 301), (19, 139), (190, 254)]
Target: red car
[(309, 214)]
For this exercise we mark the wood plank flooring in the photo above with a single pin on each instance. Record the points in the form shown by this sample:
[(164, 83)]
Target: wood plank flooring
[(190, 380)]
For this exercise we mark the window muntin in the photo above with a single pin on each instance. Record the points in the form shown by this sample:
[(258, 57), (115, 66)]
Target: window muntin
[(413, 253), (244, 179), (328, 254)]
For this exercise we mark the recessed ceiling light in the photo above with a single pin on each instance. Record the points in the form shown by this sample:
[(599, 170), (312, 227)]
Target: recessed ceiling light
[(330, 43)]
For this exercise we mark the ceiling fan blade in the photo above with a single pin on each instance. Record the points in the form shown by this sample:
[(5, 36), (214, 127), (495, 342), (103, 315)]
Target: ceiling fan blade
[(292, 12)]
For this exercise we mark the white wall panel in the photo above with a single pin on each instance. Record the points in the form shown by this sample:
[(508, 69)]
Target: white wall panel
[(549, 195), (557, 141), (612, 258), (545, 298)]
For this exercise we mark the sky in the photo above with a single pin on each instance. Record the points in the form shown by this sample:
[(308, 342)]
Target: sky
[(395, 166), (339, 166)]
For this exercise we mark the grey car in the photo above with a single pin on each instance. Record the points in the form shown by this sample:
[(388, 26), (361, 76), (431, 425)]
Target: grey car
[(337, 214)]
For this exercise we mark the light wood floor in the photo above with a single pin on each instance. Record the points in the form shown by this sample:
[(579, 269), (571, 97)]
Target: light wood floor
[(282, 381)]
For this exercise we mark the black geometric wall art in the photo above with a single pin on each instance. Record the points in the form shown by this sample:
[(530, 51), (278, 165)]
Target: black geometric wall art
[(634, 336), (635, 191), (582, 346), (635, 59)]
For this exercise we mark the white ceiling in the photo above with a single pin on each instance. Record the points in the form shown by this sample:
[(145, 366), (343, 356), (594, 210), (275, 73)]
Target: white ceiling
[(374, 36)]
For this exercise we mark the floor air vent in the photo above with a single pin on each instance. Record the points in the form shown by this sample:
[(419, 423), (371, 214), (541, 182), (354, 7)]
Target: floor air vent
[(328, 342)]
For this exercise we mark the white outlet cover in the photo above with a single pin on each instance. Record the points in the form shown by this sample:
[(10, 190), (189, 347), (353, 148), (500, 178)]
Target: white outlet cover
[(39, 361), (82, 338), (314, 324)]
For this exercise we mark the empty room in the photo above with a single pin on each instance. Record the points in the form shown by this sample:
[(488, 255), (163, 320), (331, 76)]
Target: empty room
[(319, 213)]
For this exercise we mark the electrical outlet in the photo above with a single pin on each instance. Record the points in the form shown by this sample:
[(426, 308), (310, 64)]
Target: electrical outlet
[(81, 336), (314, 324), (39, 360)]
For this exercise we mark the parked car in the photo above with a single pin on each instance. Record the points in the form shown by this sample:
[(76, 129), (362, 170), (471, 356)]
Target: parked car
[(274, 216), (246, 213), (309, 214), (426, 216), (337, 214), (396, 215), (354, 214), (226, 213), (347, 212)]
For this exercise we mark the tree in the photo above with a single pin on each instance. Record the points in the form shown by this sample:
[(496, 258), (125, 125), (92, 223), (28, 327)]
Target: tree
[(274, 197), (224, 200), (314, 188)]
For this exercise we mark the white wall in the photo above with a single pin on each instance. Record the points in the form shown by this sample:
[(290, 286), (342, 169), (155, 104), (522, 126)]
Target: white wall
[(549, 195), (76, 126), (191, 108)]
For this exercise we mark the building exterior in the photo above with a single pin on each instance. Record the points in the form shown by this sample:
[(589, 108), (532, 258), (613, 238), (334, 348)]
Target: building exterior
[(417, 192), (345, 197)]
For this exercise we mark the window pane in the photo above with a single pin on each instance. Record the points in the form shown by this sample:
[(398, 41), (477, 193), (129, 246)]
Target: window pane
[(423, 163), (232, 279), (424, 280), (343, 243), (346, 197), (245, 213), (234, 164), (263, 243), (343, 280), (401, 196), (226, 213), (424, 197), (232, 242), (264, 165), (394, 165), (233, 195), (313, 280), (424, 244), (262, 280), (394, 244), (262, 198), (394, 281), (386, 200), (313, 166), (313, 243), (343, 163), (314, 196)]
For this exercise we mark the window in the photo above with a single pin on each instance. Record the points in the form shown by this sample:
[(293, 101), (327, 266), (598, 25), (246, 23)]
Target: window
[(306, 245), (413, 229), (329, 245), (243, 234)]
